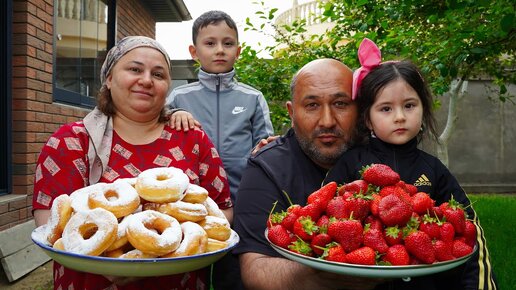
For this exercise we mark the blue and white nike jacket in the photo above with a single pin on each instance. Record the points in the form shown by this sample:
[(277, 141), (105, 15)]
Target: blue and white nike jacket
[(234, 115)]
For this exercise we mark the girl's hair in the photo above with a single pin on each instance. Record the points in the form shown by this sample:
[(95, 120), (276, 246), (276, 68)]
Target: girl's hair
[(380, 77)]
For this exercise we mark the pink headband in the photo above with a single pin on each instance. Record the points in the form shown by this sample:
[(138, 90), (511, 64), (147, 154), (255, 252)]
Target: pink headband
[(370, 57)]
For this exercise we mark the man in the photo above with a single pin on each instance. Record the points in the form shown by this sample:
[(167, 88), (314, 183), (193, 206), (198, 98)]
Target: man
[(323, 118)]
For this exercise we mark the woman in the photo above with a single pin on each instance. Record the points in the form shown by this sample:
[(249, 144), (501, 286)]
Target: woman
[(124, 135)]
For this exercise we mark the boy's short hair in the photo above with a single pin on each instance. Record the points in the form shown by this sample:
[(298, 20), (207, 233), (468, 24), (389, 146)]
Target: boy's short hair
[(212, 17)]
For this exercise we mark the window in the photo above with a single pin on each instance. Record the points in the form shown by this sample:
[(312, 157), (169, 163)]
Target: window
[(82, 39), (5, 92)]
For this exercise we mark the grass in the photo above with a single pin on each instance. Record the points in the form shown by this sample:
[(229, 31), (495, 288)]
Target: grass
[(496, 213)]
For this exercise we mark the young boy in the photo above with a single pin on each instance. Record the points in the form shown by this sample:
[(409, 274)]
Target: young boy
[(234, 115)]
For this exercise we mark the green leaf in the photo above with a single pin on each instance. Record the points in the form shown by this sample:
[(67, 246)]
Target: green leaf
[(507, 22), (362, 2)]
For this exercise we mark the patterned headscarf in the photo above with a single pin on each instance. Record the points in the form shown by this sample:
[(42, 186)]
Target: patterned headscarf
[(124, 46)]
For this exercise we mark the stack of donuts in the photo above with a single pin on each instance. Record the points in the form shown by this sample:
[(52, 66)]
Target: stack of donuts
[(157, 214)]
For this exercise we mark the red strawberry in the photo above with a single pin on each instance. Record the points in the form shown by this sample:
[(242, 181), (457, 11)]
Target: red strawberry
[(320, 241), (295, 209), (358, 186), (397, 255), (447, 232), (421, 202), (394, 189), (470, 233), (323, 222), (461, 249), (362, 256), (443, 250), (393, 235), (357, 206), (305, 228), (334, 253), (375, 203), (394, 210), (409, 188), (374, 238), (374, 223), (279, 236), (379, 175), (436, 212), (454, 213), (301, 247), (323, 195), (420, 245), (348, 233), (312, 210), (288, 220), (335, 207), (275, 219), (430, 226)]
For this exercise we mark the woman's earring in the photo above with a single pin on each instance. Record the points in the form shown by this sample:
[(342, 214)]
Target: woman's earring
[(421, 129), (372, 134)]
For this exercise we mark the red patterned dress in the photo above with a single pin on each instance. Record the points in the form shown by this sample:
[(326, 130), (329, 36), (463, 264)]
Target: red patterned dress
[(63, 167)]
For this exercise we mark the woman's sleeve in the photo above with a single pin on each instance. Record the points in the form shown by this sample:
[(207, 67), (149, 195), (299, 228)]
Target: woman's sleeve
[(61, 167), (213, 177)]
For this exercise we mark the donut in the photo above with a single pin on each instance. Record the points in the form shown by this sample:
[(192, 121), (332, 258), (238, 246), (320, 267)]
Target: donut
[(114, 253), (90, 232), (182, 211), (213, 208), (60, 213), (58, 245), (162, 184), (80, 197), (120, 198), (215, 245), (195, 241), (121, 236), (153, 232), (130, 180), (136, 254), (195, 194), (216, 228)]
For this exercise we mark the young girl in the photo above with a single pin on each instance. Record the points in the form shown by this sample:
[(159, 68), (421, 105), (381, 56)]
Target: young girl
[(394, 105)]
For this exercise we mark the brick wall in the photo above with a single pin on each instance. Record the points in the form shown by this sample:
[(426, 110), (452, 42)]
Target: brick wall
[(35, 115)]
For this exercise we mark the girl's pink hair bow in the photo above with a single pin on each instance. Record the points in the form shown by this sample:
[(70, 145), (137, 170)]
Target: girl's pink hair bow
[(370, 57)]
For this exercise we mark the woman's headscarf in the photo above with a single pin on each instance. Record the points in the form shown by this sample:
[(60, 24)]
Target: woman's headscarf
[(100, 126)]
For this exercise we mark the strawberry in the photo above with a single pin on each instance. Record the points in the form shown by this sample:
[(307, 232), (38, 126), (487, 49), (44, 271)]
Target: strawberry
[(348, 233), (357, 205), (447, 232), (322, 196), (301, 247), (394, 189), (397, 255), (295, 209), (461, 249), (375, 203), (454, 213), (279, 236), (319, 242), (393, 235), (436, 212), (421, 202), (379, 175), (305, 228), (312, 210), (335, 207), (334, 253), (275, 219), (420, 245), (374, 223), (470, 233), (288, 220), (430, 226), (362, 256), (323, 221), (443, 250), (409, 188), (394, 210), (358, 186), (374, 238)]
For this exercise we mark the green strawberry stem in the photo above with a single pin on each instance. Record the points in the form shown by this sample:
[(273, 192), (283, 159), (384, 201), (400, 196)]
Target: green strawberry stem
[(288, 197), (272, 210)]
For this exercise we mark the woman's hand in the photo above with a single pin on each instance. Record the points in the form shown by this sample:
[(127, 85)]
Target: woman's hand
[(183, 120)]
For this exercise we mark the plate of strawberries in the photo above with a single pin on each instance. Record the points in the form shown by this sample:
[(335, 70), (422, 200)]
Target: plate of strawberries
[(377, 226)]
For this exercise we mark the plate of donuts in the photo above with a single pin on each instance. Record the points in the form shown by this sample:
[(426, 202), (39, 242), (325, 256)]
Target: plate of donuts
[(157, 224), (132, 267)]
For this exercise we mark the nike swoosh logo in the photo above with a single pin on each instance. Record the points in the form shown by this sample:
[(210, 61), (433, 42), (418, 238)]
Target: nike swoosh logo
[(238, 110)]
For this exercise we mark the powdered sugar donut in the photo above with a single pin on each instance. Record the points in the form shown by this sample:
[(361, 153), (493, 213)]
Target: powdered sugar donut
[(80, 197), (213, 208), (182, 211), (120, 198), (195, 194), (153, 232), (195, 241), (216, 228), (136, 254), (60, 213), (121, 236), (90, 232), (163, 184)]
